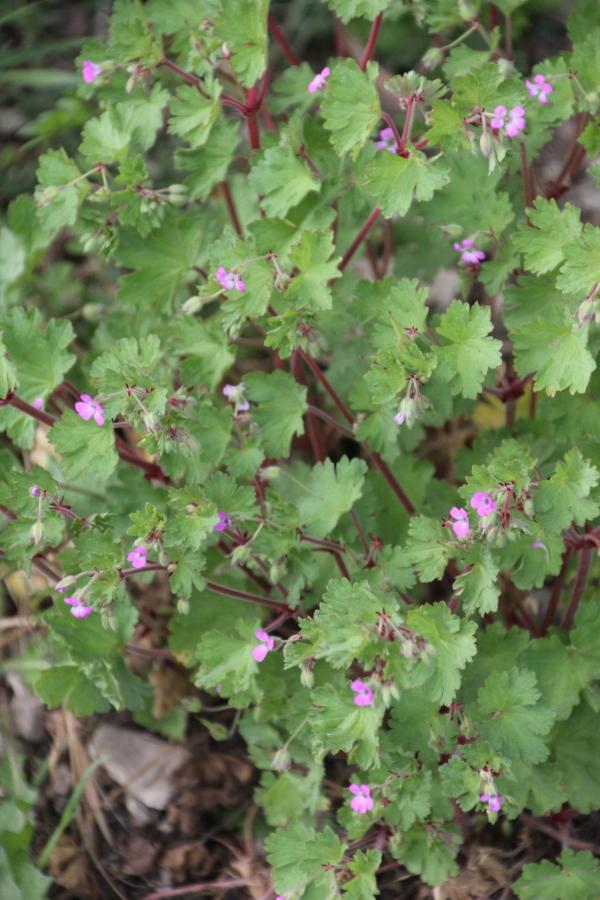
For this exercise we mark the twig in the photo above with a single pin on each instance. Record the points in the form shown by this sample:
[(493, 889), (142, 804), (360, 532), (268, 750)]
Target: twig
[(287, 51), (359, 239), (233, 215), (556, 592), (199, 886)]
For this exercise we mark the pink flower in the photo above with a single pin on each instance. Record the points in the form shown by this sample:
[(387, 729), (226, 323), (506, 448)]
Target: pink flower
[(539, 88), (266, 645), (137, 557), (319, 81), (38, 403), (34, 491), (513, 125), (494, 801), (469, 252), (223, 523), (78, 609), (362, 801), (460, 526), (81, 611), (235, 393), (387, 140), (483, 504), (90, 71), (230, 280), (88, 408), (364, 694), (400, 417)]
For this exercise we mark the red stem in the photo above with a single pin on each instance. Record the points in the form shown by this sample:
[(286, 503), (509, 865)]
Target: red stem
[(408, 122), (314, 367), (360, 532), (235, 221), (556, 592), (251, 120), (585, 561), (287, 51), (391, 480), (373, 35), (526, 176), (359, 239), (342, 566)]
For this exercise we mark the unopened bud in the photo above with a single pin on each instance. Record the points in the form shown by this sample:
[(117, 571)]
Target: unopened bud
[(307, 678), (177, 194), (91, 312), (486, 143), (433, 58), (36, 533), (65, 582), (281, 761), (269, 473)]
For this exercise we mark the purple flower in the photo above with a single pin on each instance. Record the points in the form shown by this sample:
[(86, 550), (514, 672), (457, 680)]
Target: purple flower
[(400, 417), (88, 408), (469, 252), (223, 523), (137, 557), (266, 645), (38, 403), (90, 71), (494, 801), (460, 526), (483, 504), (230, 280), (35, 491), (235, 394), (512, 123), (362, 801), (319, 81), (539, 88), (387, 140), (364, 694)]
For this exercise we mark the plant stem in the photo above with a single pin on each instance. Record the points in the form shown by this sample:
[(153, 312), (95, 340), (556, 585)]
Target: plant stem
[(251, 120), (528, 192), (250, 598), (408, 123), (360, 532), (585, 561), (555, 594), (359, 239), (389, 476), (342, 566), (287, 51), (316, 411), (235, 221), (373, 35), (320, 376)]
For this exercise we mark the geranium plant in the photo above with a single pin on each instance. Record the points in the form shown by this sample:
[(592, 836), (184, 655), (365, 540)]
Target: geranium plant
[(370, 511)]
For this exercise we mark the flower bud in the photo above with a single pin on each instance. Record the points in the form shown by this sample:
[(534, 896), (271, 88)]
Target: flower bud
[(177, 194), (486, 143), (433, 58), (36, 533), (307, 678), (65, 582), (281, 761), (269, 473)]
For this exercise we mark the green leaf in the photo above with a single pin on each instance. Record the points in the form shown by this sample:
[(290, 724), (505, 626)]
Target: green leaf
[(281, 406), (8, 374), (193, 115), (208, 165), (427, 547), (60, 191), (84, 447), (560, 671), (353, 9), (477, 587), (292, 871), (393, 181), (565, 497), (350, 108), (580, 272), (428, 850), (125, 129), (12, 260), (509, 715), (450, 646), (282, 179), (465, 361), (329, 492), (554, 346), (68, 685), (338, 724), (577, 877), (363, 865), (312, 257), (226, 662), (551, 230), (575, 764), (242, 25)]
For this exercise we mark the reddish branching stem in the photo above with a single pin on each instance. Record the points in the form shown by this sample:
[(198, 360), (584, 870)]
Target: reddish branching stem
[(292, 58), (250, 111), (372, 40), (585, 561), (359, 239)]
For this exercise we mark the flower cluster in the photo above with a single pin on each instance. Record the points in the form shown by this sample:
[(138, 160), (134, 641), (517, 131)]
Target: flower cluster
[(483, 504), (230, 280), (319, 81), (460, 526), (78, 608), (88, 408), (511, 122), (224, 521), (137, 557), (387, 140), (494, 801), (235, 395)]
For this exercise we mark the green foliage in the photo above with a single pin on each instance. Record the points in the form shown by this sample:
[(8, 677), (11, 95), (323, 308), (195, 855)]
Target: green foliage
[(304, 384)]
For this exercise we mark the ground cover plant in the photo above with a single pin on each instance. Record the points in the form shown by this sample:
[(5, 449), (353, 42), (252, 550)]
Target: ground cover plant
[(298, 393)]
